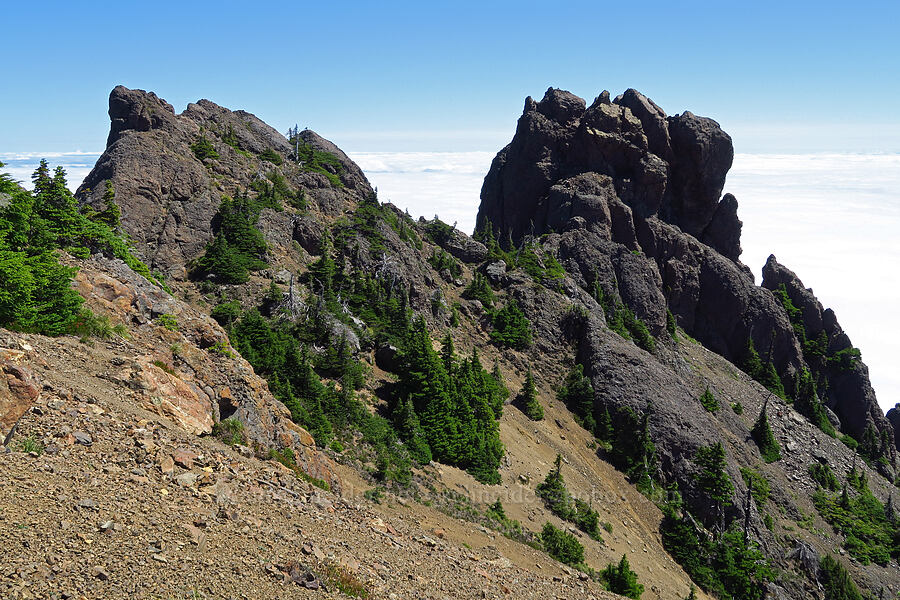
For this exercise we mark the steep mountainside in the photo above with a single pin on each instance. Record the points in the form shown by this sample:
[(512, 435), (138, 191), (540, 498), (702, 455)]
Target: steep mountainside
[(610, 381)]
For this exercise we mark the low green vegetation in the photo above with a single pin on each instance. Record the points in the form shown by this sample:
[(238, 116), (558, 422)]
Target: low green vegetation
[(528, 399), (271, 156), (238, 246), (758, 484), (440, 259), (561, 503), (318, 161), (167, 321), (870, 533), (708, 401), (622, 320), (561, 545), (229, 431)]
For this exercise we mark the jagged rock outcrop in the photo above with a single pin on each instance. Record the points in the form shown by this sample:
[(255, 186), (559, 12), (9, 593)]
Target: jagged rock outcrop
[(673, 167), (168, 196), (844, 385), (19, 388), (636, 195), (190, 375)]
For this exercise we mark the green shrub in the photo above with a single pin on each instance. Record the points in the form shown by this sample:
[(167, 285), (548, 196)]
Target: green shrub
[(226, 313), (441, 260), (869, 536), (738, 408), (230, 431), (511, 328), (577, 394), (561, 545), (824, 476), (204, 149), (271, 156), (621, 580), (318, 161), (758, 484), (168, 321), (31, 444), (709, 401), (765, 439)]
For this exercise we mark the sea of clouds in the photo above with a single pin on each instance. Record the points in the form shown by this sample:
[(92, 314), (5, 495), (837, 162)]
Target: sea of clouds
[(832, 218)]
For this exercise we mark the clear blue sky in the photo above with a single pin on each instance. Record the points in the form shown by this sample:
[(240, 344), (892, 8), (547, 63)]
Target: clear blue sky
[(800, 76)]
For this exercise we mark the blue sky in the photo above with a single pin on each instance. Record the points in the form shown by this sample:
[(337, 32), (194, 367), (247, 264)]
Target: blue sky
[(391, 76)]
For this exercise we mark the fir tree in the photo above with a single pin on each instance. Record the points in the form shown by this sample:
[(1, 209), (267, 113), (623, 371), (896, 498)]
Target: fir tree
[(622, 580), (709, 401), (528, 399), (751, 363), (712, 479), (577, 394), (511, 328), (764, 438)]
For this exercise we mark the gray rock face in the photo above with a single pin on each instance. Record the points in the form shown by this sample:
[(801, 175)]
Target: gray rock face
[(169, 197), (636, 195), (846, 389), (670, 167)]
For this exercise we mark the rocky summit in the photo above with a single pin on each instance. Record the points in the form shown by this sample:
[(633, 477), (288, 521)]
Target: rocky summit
[(230, 371)]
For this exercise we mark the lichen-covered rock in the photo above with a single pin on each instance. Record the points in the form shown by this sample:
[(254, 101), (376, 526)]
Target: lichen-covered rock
[(169, 195)]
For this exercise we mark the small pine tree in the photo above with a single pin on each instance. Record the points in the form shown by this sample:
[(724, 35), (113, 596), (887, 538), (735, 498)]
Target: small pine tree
[(562, 545), (751, 363), (764, 438), (693, 594), (712, 478), (529, 401), (604, 430), (553, 490), (770, 379), (622, 580), (709, 401), (577, 394)]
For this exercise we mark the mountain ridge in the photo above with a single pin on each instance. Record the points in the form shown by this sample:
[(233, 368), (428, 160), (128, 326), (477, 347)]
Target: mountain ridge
[(598, 255)]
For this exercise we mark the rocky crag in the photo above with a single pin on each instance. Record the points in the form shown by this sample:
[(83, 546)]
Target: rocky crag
[(635, 200), (589, 212)]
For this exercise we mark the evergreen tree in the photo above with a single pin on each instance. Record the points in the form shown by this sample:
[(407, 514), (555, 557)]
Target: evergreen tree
[(712, 479), (511, 328), (604, 430), (709, 401), (562, 545), (751, 363), (836, 580), (764, 438), (622, 580), (553, 490), (770, 379), (577, 394), (111, 214), (528, 399), (238, 246), (323, 271)]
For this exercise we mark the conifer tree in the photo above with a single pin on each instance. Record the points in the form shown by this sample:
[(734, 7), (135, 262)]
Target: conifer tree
[(764, 438), (712, 478), (577, 394), (709, 401), (622, 580), (529, 401), (751, 363), (604, 430)]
